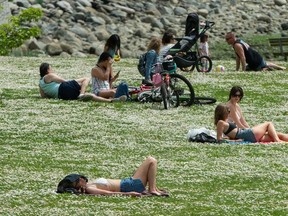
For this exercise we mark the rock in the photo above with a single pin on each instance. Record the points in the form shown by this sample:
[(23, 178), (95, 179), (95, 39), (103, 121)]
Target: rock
[(33, 44), (83, 26), (280, 2), (125, 9), (23, 3), (179, 11), (118, 13), (85, 3), (96, 21), (102, 34), (79, 54), (264, 18), (80, 31), (284, 26), (53, 49), (64, 55), (66, 48), (203, 12), (4, 11), (65, 6), (165, 10), (157, 24), (80, 16)]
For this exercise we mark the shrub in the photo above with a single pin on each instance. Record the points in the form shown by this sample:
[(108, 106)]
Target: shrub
[(19, 28)]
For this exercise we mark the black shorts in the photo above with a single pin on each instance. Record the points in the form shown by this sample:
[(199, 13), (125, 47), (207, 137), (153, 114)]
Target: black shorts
[(69, 90)]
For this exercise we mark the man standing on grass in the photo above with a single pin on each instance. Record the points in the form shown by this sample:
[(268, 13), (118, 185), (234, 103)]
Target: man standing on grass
[(249, 59)]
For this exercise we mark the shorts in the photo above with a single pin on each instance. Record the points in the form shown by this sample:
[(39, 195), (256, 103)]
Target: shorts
[(262, 65), (69, 90), (130, 184), (246, 135)]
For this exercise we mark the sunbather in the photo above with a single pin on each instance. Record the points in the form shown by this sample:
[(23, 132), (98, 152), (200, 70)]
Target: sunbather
[(132, 186), (264, 132)]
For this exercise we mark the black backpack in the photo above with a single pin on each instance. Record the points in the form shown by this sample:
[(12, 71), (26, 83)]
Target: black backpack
[(141, 64), (203, 138)]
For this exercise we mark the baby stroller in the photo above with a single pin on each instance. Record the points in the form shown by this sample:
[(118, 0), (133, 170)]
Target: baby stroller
[(183, 54)]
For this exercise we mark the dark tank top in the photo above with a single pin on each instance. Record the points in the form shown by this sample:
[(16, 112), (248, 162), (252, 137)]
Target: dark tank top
[(232, 126), (253, 58)]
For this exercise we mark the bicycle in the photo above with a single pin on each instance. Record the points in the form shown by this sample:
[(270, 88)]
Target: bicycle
[(178, 83), (161, 91)]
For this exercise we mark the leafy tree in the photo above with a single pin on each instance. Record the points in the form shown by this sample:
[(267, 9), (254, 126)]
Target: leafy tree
[(19, 29)]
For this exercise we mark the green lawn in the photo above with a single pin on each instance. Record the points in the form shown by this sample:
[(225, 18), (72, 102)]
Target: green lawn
[(42, 140)]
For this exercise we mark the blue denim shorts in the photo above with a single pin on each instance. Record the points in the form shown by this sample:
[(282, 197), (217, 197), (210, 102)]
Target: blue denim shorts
[(130, 184), (246, 135)]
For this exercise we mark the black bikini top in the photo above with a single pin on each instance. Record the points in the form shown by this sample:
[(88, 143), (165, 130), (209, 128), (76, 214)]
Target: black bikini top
[(232, 126)]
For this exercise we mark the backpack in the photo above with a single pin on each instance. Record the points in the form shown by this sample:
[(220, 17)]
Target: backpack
[(141, 64), (203, 138)]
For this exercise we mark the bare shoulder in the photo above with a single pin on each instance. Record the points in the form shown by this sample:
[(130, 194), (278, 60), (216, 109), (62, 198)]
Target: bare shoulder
[(238, 108), (48, 77), (221, 123), (238, 47), (95, 70)]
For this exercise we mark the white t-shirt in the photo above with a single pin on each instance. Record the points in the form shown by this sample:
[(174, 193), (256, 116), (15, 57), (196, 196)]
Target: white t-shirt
[(204, 49), (164, 50)]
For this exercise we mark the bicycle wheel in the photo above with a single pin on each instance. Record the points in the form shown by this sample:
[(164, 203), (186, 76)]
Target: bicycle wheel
[(173, 97), (204, 100), (163, 91), (204, 64), (183, 87)]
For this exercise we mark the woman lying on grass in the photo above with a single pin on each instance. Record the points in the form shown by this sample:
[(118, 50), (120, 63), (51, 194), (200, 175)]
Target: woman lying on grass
[(264, 132), (53, 86), (132, 186)]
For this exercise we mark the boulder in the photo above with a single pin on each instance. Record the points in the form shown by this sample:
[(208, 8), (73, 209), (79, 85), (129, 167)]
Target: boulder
[(53, 49), (280, 2)]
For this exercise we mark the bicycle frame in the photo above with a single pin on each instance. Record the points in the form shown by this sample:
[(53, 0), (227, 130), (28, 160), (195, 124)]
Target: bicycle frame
[(159, 92)]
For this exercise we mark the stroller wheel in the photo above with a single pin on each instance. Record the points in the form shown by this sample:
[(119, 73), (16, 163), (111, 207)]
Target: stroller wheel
[(188, 69), (204, 64)]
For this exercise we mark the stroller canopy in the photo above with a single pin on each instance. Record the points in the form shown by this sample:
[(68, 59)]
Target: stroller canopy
[(192, 24)]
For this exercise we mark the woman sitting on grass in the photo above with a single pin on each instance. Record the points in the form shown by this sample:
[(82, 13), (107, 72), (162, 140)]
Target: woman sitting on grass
[(53, 86), (236, 115), (102, 79), (264, 132), (132, 186)]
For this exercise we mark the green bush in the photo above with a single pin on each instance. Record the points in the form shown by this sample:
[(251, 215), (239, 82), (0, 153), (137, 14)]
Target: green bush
[(19, 28)]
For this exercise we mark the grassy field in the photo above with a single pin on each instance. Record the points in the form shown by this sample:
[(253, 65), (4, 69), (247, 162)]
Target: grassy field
[(42, 140)]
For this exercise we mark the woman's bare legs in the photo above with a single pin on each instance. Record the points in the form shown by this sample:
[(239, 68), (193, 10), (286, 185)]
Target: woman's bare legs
[(147, 172), (283, 137), (260, 132), (98, 98), (107, 93), (83, 82)]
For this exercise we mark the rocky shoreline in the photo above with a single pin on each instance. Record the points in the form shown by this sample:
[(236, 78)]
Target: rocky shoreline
[(80, 28)]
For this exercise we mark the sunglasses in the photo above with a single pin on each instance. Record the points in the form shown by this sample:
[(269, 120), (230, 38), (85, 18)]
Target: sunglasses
[(228, 38), (236, 95)]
